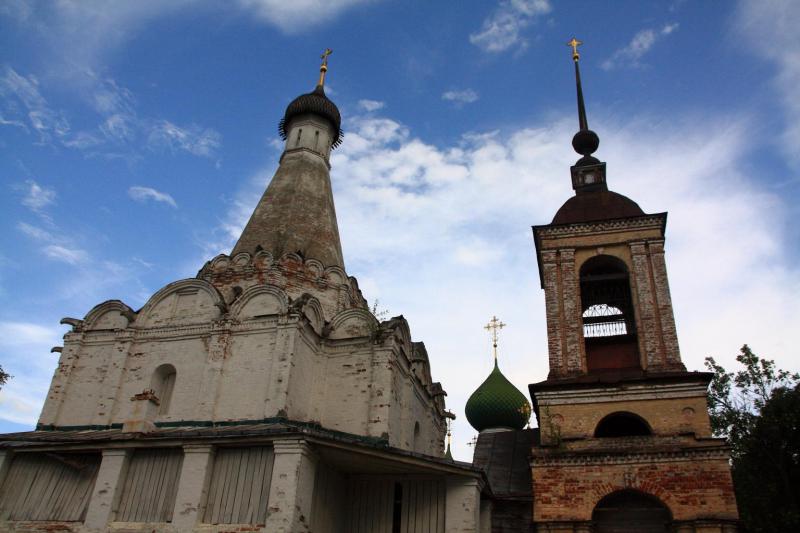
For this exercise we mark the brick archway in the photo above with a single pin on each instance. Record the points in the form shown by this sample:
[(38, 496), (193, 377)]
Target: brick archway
[(631, 511)]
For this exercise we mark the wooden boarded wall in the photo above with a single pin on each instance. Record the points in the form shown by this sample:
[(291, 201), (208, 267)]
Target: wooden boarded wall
[(371, 505), (239, 487), (48, 486), (423, 506), (151, 484), (330, 497)]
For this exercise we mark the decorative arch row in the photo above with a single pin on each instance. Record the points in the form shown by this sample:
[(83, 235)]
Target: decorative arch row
[(264, 260), (195, 301)]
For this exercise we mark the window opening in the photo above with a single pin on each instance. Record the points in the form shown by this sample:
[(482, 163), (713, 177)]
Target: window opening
[(609, 326), (299, 134), (622, 425)]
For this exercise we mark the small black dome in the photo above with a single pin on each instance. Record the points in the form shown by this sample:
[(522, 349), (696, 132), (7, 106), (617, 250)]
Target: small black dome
[(317, 103)]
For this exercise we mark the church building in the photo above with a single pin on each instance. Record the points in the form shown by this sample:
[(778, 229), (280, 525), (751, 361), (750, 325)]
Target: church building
[(624, 441), (262, 395)]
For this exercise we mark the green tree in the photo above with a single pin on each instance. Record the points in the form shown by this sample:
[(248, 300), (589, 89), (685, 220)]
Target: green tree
[(758, 409), (4, 376)]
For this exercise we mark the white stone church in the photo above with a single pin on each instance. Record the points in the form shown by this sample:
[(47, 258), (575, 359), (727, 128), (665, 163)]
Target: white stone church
[(261, 395)]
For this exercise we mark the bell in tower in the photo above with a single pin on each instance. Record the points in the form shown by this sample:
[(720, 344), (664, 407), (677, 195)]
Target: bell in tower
[(625, 441)]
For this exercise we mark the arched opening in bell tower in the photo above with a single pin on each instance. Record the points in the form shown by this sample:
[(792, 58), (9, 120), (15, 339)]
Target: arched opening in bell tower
[(609, 326), (631, 511)]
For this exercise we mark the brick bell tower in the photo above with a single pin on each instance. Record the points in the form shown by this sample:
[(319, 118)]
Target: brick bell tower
[(626, 443)]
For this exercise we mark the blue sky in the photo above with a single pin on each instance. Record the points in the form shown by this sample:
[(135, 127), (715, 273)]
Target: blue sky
[(135, 139)]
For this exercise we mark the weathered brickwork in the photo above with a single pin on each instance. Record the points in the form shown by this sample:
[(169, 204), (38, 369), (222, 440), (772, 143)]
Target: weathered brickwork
[(639, 243), (665, 416), (694, 486), (673, 457)]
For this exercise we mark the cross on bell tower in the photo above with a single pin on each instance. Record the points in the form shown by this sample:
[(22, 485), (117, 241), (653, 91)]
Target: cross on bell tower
[(617, 386)]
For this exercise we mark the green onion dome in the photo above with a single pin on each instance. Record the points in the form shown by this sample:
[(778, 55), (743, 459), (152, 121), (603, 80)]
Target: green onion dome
[(497, 404)]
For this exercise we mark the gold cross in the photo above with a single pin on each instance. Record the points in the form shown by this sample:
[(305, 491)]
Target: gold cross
[(494, 326), (575, 43), (323, 68), (325, 55)]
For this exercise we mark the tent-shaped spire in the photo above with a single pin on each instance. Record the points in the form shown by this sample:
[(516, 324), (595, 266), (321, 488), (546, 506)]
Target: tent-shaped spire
[(296, 212)]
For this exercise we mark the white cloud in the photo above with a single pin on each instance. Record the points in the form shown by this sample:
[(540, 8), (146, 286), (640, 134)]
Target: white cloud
[(641, 43), (38, 197), (503, 28), (371, 105), (298, 15), (35, 233), (23, 333), (23, 102), (78, 34), (465, 96), (56, 247), (769, 27), (26, 355), (192, 138), (72, 256), (142, 194)]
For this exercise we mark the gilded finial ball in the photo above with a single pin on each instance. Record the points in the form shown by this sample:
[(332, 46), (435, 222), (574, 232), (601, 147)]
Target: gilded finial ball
[(585, 142)]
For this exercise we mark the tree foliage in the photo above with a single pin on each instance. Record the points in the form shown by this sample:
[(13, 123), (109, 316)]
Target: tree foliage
[(758, 409), (4, 377)]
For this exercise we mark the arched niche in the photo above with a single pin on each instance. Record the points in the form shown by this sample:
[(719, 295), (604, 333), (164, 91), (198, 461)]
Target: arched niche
[(607, 311), (353, 323), (112, 314), (622, 424), (631, 511), (260, 301), (162, 384), (189, 301)]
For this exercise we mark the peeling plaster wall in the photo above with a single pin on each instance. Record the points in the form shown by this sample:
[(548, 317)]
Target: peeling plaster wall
[(254, 367)]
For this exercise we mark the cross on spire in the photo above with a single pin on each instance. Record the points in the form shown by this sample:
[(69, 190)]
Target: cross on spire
[(575, 43), (323, 68), (493, 327)]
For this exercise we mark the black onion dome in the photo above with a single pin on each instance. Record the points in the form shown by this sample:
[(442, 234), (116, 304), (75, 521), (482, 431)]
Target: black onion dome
[(317, 103)]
